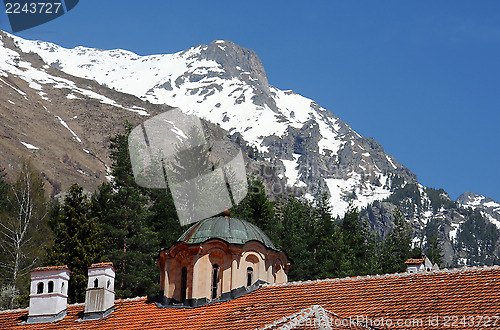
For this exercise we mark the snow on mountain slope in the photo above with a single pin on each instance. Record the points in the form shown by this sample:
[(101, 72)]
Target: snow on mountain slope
[(227, 85), (37, 77), (61, 122), (489, 207), (193, 84)]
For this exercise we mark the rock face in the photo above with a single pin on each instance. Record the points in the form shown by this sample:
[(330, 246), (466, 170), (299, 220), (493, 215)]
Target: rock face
[(485, 205), (237, 62), (304, 145), (468, 232)]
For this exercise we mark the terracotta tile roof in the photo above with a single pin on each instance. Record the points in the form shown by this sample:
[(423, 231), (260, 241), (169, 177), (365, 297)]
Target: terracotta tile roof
[(436, 300), (414, 261), (41, 269), (101, 264)]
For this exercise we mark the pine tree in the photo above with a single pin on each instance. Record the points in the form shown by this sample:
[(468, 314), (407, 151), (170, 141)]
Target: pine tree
[(297, 237), (198, 189), (164, 220), (78, 240), (122, 209), (357, 257), (258, 209), (434, 250), (397, 246), (329, 241), (478, 238)]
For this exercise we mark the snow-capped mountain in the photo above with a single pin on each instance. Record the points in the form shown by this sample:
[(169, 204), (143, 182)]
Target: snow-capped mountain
[(61, 106), (226, 84)]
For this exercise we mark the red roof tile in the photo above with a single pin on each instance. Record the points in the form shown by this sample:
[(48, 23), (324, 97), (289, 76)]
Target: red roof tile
[(101, 265), (464, 298), (414, 261), (41, 269)]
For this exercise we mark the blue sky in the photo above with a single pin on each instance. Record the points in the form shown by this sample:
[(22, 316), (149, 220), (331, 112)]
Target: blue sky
[(422, 78)]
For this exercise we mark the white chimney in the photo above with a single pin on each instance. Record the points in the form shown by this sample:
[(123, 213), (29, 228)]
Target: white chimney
[(100, 296), (420, 265), (48, 294)]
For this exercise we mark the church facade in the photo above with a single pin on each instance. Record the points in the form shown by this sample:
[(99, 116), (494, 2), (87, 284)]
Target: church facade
[(219, 259)]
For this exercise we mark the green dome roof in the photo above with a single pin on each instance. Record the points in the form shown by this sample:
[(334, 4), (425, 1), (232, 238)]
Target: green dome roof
[(230, 230)]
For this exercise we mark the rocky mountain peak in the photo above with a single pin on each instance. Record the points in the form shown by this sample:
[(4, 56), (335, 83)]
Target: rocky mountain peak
[(472, 199), (467, 197), (237, 62)]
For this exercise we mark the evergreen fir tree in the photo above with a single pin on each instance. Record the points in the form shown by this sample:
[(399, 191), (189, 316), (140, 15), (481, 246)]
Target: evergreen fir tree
[(122, 208), (329, 241), (164, 220), (356, 239), (198, 189), (78, 240), (258, 209), (478, 238), (397, 246), (434, 250), (297, 237)]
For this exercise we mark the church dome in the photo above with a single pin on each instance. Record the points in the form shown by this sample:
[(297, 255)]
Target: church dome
[(228, 229)]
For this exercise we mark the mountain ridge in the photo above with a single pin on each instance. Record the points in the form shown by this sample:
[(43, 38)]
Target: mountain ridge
[(226, 84), (306, 146)]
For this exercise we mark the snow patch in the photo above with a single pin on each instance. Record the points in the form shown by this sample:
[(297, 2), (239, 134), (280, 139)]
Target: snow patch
[(390, 161), (292, 171), (492, 219), (353, 188), (29, 146), (108, 176), (491, 204), (453, 231), (69, 129), (14, 88)]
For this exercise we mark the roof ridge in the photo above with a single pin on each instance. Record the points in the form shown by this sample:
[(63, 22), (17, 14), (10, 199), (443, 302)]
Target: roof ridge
[(365, 277), (72, 305), (132, 299), (14, 310), (116, 300)]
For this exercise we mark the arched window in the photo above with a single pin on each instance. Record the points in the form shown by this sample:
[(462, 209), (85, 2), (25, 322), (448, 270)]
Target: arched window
[(50, 287), (109, 283), (215, 280), (249, 276), (96, 283), (62, 287), (39, 288), (183, 283)]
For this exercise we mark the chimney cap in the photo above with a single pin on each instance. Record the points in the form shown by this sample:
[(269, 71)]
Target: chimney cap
[(47, 268), (102, 265)]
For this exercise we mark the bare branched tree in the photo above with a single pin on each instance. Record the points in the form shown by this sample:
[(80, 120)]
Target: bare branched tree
[(22, 227)]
